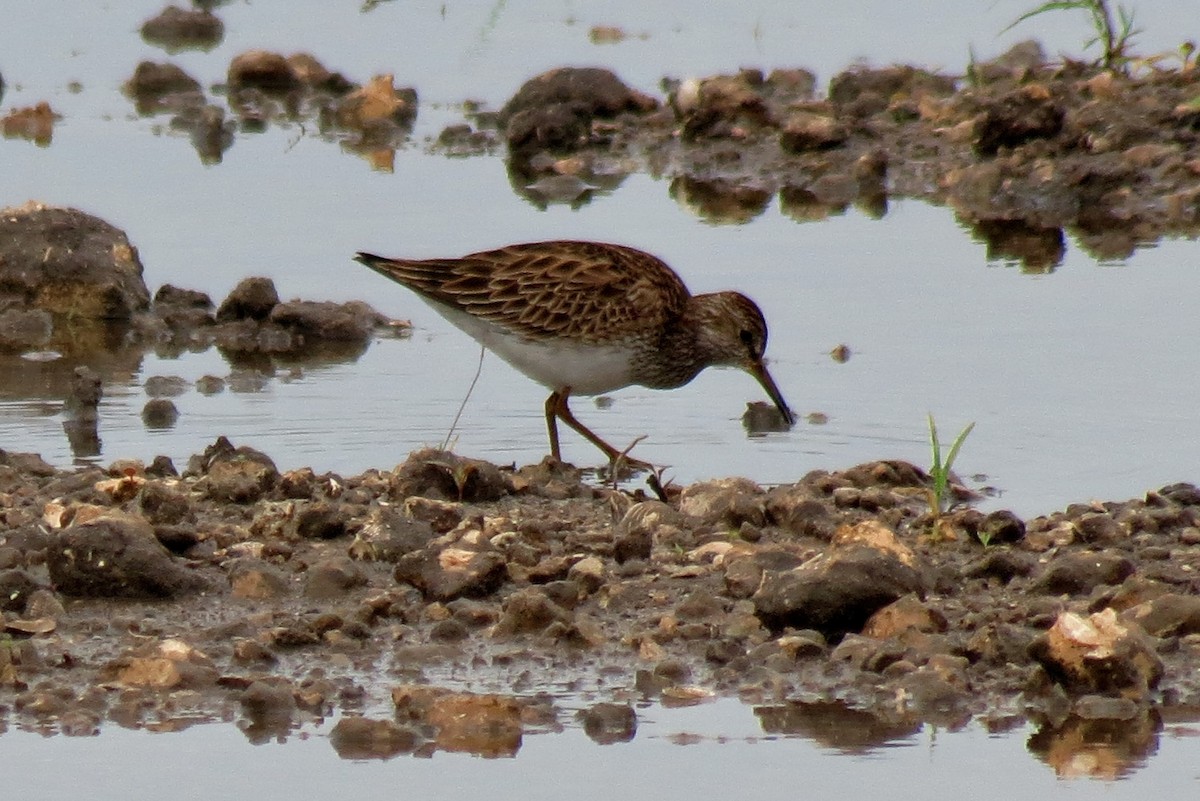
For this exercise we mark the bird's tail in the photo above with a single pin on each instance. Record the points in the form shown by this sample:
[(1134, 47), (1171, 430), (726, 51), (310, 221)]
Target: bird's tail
[(369, 259)]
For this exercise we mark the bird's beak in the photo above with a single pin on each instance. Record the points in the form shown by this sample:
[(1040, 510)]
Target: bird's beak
[(759, 371)]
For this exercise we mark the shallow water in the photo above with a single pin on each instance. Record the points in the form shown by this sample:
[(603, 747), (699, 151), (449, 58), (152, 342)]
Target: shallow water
[(715, 750), (1081, 381)]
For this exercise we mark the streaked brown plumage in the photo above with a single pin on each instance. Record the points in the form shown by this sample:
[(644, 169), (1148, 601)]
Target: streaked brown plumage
[(587, 318)]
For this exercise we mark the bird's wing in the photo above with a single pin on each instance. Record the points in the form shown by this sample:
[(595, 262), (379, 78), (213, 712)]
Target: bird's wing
[(576, 290)]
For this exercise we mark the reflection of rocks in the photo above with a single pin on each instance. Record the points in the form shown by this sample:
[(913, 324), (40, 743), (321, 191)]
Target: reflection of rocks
[(82, 413), (21, 329), (469, 723), (1030, 148), (35, 123), (1037, 249), (363, 738), (606, 724), (211, 133), (720, 201), (264, 88), (1108, 748), (834, 725), (175, 29)]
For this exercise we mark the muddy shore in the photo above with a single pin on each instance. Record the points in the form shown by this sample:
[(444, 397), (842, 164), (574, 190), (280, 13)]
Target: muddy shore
[(443, 603)]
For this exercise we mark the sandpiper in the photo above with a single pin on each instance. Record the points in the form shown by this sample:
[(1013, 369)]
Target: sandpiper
[(586, 318)]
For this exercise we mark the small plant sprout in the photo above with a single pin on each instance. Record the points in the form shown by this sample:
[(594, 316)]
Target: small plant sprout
[(939, 495), (1115, 37)]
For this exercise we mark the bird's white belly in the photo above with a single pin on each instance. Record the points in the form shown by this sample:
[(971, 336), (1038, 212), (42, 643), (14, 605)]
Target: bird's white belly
[(586, 369)]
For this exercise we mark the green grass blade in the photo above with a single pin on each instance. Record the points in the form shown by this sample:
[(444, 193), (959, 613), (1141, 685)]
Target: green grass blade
[(957, 444), (1055, 5)]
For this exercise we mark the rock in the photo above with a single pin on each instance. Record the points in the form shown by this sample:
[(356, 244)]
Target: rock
[(160, 413), (165, 386), (447, 476), (1098, 654), (269, 705), (162, 504), (836, 592), (35, 123), (237, 475), (1018, 63), (1168, 615), (255, 580), (16, 587), (252, 299), (1078, 573), (320, 520), (262, 70), (606, 723), (378, 108), (1017, 117), (440, 516), (588, 573), (863, 91), (469, 568), (792, 508), (554, 111), (530, 611), (333, 577), (803, 131), (326, 321), (903, 615), (68, 263), (727, 501), (356, 737), (176, 29), (721, 106), (165, 665), (115, 555), (1004, 564), (162, 87)]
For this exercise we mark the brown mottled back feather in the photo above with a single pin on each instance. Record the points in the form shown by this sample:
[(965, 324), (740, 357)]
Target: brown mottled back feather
[(584, 291)]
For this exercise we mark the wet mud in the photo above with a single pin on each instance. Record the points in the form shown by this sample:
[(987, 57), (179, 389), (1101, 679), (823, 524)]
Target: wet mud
[(444, 604)]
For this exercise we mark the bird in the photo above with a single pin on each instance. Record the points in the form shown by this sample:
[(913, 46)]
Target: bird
[(587, 318)]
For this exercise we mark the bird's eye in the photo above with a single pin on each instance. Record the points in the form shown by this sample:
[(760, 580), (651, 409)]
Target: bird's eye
[(748, 341)]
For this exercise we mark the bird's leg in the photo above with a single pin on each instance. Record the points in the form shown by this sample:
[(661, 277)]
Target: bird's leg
[(552, 404), (556, 407)]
